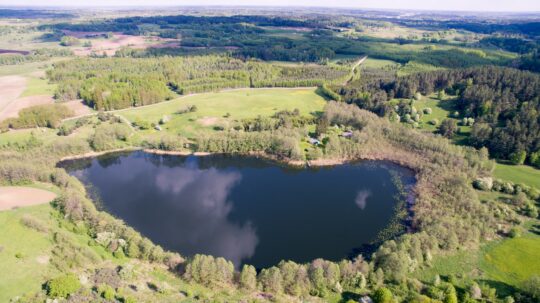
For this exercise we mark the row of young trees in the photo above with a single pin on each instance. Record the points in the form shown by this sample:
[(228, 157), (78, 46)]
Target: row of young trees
[(504, 102), (115, 83), (34, 56)]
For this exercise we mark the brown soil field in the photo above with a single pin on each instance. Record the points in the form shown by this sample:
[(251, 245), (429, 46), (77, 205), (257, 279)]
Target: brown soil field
[(18, 196), (110, 46), (13, 108), (11, 87)]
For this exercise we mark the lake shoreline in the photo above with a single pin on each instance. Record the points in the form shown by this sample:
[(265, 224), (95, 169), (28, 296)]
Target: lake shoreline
[(322, 162)]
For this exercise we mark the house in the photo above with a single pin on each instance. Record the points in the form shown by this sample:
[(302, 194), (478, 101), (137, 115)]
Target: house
[(314, 141)]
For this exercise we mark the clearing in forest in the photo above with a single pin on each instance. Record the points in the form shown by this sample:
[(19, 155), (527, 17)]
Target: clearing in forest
[(226, 107)]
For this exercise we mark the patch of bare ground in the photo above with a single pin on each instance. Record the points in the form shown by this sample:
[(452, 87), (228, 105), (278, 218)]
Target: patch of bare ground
[(18, 196), (208, 121), (110, 46), (12, 109), (78, 107), (11, 87)]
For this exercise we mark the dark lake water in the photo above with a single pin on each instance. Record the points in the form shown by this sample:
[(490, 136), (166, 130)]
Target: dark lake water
[(247, 210)]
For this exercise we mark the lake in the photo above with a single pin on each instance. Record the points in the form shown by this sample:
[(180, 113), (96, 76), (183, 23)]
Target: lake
[(246, 209)]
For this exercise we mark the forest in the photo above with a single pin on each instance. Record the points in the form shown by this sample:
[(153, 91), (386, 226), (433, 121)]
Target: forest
[(116, 83), (504, 102)]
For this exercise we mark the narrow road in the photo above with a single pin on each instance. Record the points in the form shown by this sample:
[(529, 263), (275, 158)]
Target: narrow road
[(353, 69)]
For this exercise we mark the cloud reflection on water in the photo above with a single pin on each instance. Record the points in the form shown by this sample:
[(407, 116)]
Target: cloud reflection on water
[(361, 198), (201, 200)]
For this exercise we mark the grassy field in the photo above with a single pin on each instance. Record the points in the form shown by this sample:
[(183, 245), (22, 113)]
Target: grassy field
[(513, 260), (378, 63), (212, 108), (503, 264), (518, 174), (24, 252), (37, 86)]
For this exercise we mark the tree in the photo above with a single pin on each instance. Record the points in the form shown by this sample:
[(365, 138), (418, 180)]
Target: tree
[(534, 159), (475, 291), (69, 41), (248, 278), (532, 286), (382, 295), (448, 128), (271, 280), (450, 295), (518, 157), (441, 95)]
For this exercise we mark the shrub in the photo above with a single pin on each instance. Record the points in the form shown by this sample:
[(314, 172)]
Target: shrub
[(47, 115), (62, 287), (69, 41), (514, 232), (518, 158), (34, 223), (448, 128), (483, 183), (106, 291), (428, 111), (534, 159), (106, 136), (141, 124), (532, 286), (383, 295)]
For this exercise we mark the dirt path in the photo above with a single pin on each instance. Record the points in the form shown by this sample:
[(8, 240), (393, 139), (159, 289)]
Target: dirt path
[(353, 69), (11, 87), (18, 196)]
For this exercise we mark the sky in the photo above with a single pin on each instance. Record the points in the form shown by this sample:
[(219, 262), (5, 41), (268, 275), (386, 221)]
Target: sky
[(455, 5)]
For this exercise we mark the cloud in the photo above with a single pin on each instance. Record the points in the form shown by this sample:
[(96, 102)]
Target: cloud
[(201, 207)]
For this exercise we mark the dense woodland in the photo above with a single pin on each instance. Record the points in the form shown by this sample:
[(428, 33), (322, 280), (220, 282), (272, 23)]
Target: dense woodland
[(505, 102), (115, 83)]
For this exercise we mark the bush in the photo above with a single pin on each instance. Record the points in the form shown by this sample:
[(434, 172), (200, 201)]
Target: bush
[(514, 232), (69, 41), (483, 183), (534, 159), (383, 295), (62, 287), (518, 158), (106, 291), (106, 136), (532, 286), (48, 115), (448, 128), (428, 111)]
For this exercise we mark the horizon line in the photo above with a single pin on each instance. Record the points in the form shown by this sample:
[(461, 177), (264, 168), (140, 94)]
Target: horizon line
[(157, 6)]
